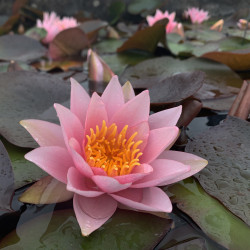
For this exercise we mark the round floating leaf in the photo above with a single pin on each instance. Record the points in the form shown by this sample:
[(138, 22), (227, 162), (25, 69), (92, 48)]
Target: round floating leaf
[(36, 33), (219, 78), (211, 216), (107, 46), (20, 48), (28, 95), (227, 176), (6, 179), (143, 7), (125, 230), (204, 35)]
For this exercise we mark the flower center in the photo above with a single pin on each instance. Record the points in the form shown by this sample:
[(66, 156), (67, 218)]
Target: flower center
[(112, 151)]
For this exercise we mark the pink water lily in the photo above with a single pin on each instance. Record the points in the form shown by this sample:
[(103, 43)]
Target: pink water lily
[(196, 15), (53, 25), (109, 152), (170, 27), (243, 24)]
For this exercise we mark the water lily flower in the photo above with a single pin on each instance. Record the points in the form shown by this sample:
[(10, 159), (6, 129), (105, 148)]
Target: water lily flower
[(196, 15), (218, 26), (109, 152), (243, 24), (53, 25), (170, 27), (99, 71)]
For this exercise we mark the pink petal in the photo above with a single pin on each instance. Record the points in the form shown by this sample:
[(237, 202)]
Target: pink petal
[(96, 113), (158, 140), (54, 160), (109, 184), (142, 130), (128, 91), (163, 170), (79, 184), (79, 101), (147, 199), (138, 173), (73, 143), (71, 125), (82, 166), (44, 133), (195, 162), (133, 112), (150, 20), (165, 118), (113, 96), (91, 213), (98, 171)]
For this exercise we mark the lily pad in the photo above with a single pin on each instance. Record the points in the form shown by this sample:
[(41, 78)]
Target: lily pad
[(204, 35), (219, 77), (27, 95), (108, 46), (226, 147), (211, 216), (20, 48), (36, 33), (25, 171), (6, 179), (147, 38), (125, 230)]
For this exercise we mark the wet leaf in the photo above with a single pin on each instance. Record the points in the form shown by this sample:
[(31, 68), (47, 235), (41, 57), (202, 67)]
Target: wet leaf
[(6, 179), (25, 171), (107, 46), (219, 79), (226, 147), (125, 230), (20, 48), (27, 95), (204, 35), (147, 38), (46, 191), (36, 33), (176, 88), (211, 216), (68, 42)]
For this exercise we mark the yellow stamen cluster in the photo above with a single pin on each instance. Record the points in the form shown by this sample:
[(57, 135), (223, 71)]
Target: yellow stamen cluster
[(112, 151)]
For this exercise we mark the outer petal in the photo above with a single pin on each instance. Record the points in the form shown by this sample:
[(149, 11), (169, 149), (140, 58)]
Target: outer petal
[(79, 101), (91, 213), (71, 125), (158, 140), (109, 184), (147, 199), (128, 91), (96, 113), (133, 112), (44, 133), (113, 96), (165, 118), (164, 170), (195, 162), (77, 183), (138, 173), (54, 160)]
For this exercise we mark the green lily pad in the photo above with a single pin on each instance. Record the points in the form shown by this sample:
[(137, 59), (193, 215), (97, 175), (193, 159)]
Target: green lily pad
[(107, 46), (6, 179), (25, 171), (125, 230), (15, 66), (36, 33), (28, 95), (20, 48), (204, 35), (211, 216), (226, 147), (218, 81)]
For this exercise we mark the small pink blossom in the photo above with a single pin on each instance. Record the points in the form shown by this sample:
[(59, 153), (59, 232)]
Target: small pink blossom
[(110, 152), (196, 15), (243, 24), (53, 25), (170, 27)]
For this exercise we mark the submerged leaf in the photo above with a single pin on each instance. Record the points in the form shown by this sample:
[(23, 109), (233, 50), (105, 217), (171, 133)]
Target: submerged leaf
[(126, 230), (226, 147), (6, 179)]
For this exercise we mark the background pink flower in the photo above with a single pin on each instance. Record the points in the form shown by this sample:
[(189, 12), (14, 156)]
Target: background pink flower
[(160, 15), (53, 25), (109, 152), (196, 15)]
